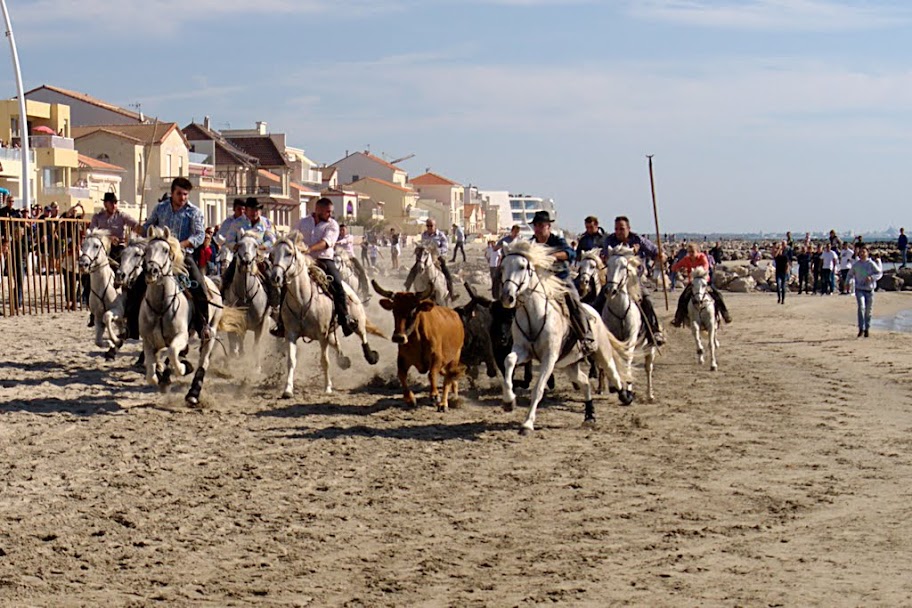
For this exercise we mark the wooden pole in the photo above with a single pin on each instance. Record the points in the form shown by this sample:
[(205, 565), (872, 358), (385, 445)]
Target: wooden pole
[(655, 212)]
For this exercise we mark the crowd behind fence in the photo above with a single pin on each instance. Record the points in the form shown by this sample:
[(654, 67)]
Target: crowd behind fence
[(39, 259)]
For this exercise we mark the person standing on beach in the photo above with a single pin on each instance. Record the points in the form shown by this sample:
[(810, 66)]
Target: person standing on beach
[(903, 244), (846, 257), (804, 270), (781, 260), (492, 255), (816, 267), (830, 261), (459, 243), (866, 273)]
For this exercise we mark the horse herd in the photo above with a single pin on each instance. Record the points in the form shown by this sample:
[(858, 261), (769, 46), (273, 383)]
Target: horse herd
[(529, 322)]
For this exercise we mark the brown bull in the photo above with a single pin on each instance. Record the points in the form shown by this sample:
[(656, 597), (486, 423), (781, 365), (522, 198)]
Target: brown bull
[(430, 339)]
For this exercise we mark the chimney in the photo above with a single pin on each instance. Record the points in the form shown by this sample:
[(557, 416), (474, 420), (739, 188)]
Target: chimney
[(261, 127), (207, 122)]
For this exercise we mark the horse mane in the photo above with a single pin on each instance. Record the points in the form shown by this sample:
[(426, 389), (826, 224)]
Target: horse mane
[(592, 254), (103, 235), (700, 272), (295, 240), (542, 261), (431, 248), (137, 241), (177, 253)]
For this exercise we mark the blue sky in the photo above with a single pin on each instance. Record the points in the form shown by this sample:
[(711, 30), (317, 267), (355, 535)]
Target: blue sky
[(762, 114)]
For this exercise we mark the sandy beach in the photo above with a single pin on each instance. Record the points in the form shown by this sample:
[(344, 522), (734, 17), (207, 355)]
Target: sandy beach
[(783, 479)]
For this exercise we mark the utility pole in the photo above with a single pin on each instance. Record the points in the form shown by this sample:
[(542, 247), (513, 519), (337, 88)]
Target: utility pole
[(23, 116)]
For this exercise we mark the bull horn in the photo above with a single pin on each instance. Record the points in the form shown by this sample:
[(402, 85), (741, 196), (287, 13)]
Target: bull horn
[(386, 293), (428, 291)]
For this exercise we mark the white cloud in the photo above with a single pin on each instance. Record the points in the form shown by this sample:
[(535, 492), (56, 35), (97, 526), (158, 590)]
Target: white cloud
[(802, 15)]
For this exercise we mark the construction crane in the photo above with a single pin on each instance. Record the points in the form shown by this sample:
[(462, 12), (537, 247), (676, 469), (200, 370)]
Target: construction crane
[(399, 160)]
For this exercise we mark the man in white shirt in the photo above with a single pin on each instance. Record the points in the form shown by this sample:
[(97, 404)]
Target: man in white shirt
[(228, 225), (320, 232), (459, 240), (492, 255), (829, 262), (846, 259)]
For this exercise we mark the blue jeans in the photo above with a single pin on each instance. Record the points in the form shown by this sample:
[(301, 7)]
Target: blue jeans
[(904, 257), (781, 286), (865, 299)]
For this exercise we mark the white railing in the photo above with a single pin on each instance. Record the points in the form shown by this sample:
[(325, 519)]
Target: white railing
[(74, 191), (52, 141), (15, 154)]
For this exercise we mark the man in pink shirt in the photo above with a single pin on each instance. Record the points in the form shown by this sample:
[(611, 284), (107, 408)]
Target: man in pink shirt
[(320, 232), (690, 262)]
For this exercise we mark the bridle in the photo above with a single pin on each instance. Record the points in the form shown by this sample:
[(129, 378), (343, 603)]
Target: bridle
[(293, 265), (588, 276), (521, 304), (93, 264), (699, 300), (152, 264), (245, 264)]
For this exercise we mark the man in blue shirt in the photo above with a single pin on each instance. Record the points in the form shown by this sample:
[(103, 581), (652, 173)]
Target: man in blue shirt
[(432, 235), (185, 221), (564, 255), (646, 250)]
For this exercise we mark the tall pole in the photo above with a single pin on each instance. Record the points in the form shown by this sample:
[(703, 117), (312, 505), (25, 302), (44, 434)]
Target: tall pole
[(23, 117), (655, 212)]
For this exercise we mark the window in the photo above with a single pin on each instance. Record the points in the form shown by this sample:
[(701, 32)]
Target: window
[(104, 158), (168, 169), (356, 177), (180, 165)]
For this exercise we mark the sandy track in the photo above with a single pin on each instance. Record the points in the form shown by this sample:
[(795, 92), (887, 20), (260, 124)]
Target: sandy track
[(782, 479)]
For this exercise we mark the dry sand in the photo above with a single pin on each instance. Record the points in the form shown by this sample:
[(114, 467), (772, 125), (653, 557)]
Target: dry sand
[(781, 480)]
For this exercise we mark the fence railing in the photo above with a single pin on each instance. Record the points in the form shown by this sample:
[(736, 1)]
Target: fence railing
[(39, 264)]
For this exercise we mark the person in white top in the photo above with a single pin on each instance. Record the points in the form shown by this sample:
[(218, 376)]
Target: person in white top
[(346, 243), (846, 259), (865, 272), (320, 232), (830, 261), (492, 255)]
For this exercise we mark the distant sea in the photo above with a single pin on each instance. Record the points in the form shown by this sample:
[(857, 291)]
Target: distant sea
[(899, 322)]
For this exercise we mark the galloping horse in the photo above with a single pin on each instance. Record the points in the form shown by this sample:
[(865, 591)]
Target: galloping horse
[(93, 259), (307, 310), (622, 313), (591, 272), (701, 309), (164, 318), (125, 276), (542, 329), (247, 291), (429, 274)]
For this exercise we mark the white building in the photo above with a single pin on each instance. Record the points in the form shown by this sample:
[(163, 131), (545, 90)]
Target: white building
[(499, 200)]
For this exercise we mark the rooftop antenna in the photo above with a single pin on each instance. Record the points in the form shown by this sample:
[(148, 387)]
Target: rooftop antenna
[(139, 111)]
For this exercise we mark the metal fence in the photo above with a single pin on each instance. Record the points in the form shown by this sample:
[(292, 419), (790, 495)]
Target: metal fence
[(39, 262)]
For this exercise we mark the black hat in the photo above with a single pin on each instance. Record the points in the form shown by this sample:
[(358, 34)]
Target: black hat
[(238, 202), (542, 217), (252, 203), (109, 197)]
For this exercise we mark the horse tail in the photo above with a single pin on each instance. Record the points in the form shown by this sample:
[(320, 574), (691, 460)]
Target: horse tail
[(616, 347), (373, 329), (233, 320)]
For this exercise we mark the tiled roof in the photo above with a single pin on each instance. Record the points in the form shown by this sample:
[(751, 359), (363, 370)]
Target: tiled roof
[(261, 147), (328, 172), (270, 176), (432, 179), (87, 162), (376, 159), (384, 183), (143, 133), (89, 99)]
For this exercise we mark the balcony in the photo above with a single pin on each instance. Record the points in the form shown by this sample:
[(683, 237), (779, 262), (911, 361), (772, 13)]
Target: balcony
[(72, 191), (51, 141), (203, 182), (257, 190), (15, 154)]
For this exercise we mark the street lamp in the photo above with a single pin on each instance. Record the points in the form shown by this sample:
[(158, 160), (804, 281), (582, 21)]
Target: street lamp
[(23, 117)]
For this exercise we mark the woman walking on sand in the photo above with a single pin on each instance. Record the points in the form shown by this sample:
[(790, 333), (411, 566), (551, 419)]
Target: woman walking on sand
[(781, 260), (866, 273)]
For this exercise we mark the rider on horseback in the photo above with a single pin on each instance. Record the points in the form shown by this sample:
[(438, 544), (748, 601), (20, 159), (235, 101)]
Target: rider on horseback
[(346, 243), (645, 249), (320, 232), (118, 224), (186, 223), (563, 257), (251, 221), (438, 238), (693, 260)]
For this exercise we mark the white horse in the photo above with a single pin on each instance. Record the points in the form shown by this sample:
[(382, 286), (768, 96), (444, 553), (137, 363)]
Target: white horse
[(347, 269), (542, 328), (622, 313), (224, 257), (93, 259), (248, 292), (164, 317), (429, 274), (591, 271), (701, 309), (307, 310), (125, 276)]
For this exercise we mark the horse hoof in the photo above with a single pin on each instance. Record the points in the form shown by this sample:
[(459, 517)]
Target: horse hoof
[(612, 389), (508, 406), (344, 362), (525, 431), (441, 408), (192, 399), (589, 421), (188, 367), (287, 395), (109, 356), (712, 368), (626, 397)]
